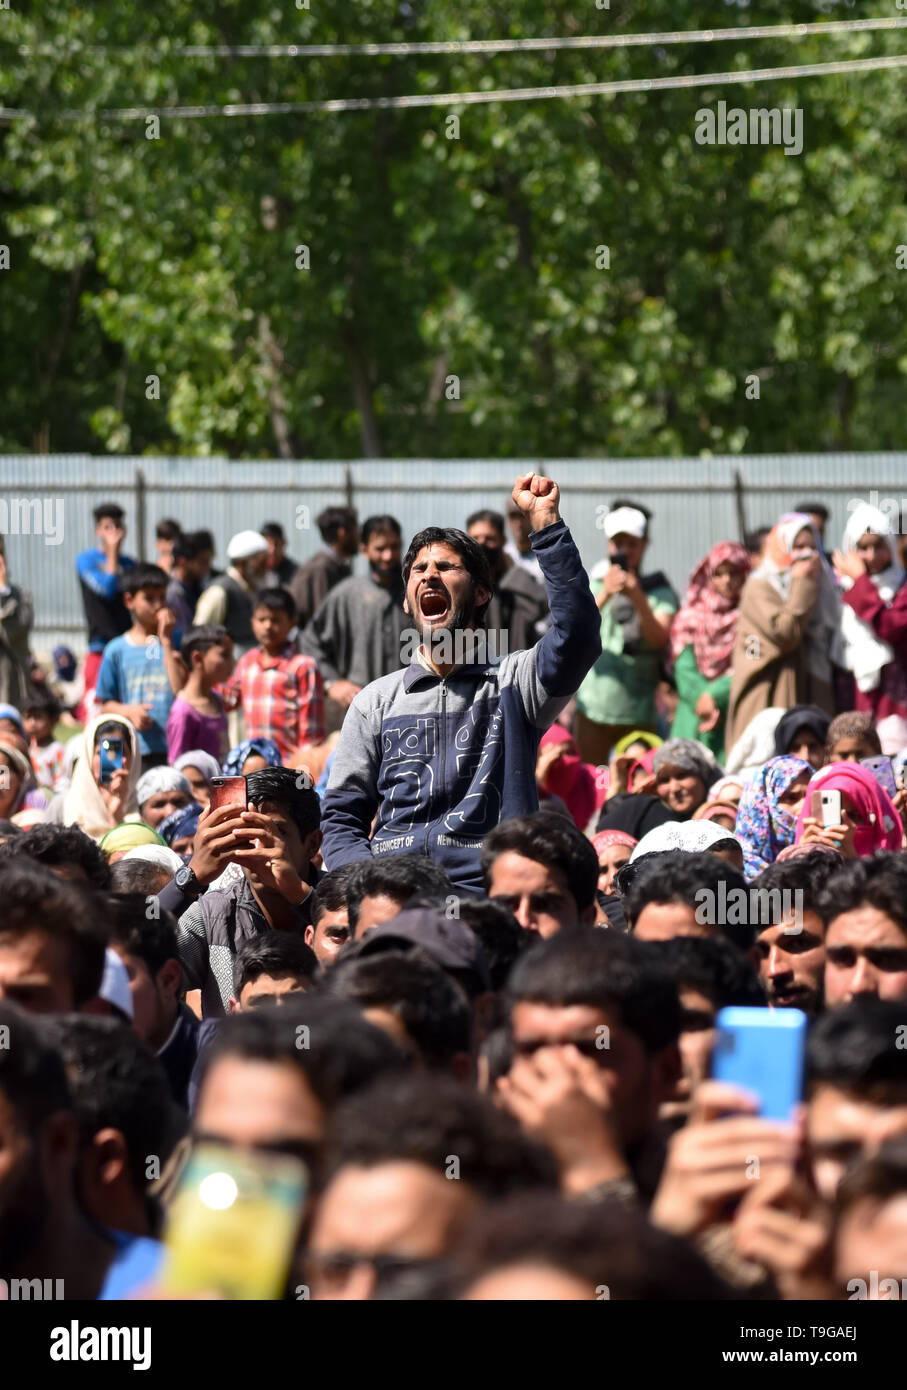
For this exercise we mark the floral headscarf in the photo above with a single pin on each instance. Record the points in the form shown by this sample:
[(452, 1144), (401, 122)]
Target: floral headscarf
[(705, 620), (763, 825), (265, 748)]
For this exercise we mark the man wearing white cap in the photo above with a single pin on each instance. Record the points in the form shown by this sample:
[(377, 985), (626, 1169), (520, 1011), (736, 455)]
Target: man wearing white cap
[(229, 600), (618, 695)]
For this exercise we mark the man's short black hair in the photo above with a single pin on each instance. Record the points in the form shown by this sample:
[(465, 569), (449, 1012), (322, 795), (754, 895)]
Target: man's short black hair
[(190, 546), (816, 508), (278, 600), (284, 785), (273, 531), (503, 939), (9, 830), (116, 1082), (880, 881), (713, 967), (378, 526), (431, 1006), (427, 1120), (109, 511), (35, 900), (143, 577), (56, 845), (150, 938), (332, 892), (32, 1076), (344, 1052), (856, 1048), (805, 876), (333, 520), (202, 639), (396, 876), (167, 530), (715, 890), (141, 876), (475, 561), (40, 700), (277, 954), (604, 1246), (492, 518), (604, 970), (549, 839)]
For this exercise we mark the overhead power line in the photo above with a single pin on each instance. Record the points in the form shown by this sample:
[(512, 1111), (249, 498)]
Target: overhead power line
[(467, 46), (422, 99)]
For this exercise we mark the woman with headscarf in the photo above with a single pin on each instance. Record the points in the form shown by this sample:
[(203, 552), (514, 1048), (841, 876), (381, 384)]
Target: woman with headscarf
[(132, 834), (874, 622), (198, 767), (768, 810), (561, 772), (251, 756), (178, 830), (702, 642), (613, 848), (684, 771), (18, 789), (788, 628), (801, 733), (869, 821), (161, 791), (93, 805)]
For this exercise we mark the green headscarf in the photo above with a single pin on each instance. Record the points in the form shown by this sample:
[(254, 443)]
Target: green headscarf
[(129, 835)]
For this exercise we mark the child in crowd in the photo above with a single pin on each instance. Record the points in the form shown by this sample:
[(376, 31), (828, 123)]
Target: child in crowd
[(281, 692), (140, 669), (197, 719), (40, 713)]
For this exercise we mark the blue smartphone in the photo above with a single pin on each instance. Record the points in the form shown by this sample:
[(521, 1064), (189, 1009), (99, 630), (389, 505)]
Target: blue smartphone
[(111, 757), (763, 1051)]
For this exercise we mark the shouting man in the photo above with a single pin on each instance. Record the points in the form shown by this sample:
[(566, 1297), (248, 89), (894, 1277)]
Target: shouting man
[(446, 748)]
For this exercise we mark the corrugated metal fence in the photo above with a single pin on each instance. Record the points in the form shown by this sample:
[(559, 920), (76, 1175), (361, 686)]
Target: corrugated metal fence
[(46, 504)]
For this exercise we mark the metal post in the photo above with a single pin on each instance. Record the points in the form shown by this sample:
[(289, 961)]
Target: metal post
[(140, 501)]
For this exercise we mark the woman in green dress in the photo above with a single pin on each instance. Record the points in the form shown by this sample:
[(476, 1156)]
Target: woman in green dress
[(702, 643)]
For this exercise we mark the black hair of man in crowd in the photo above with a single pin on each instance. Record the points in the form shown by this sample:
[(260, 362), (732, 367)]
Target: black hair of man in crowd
[(66, 973), (64, 847), (702, 895), (397, 877)]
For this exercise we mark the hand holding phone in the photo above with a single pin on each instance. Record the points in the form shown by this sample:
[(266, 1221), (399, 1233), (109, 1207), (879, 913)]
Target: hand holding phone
[(883, 772), (234, 1223), (763, 1051), (228, 791), (826, 807), (111, 750)]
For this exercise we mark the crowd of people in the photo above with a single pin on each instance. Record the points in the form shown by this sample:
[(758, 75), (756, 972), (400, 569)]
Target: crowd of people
[(440, 975)]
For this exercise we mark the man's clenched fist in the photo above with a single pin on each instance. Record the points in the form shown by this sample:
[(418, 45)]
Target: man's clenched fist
[(538, 497)]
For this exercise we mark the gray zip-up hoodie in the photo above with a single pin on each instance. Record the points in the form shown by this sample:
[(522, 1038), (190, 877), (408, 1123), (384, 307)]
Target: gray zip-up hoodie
[(443, 761)]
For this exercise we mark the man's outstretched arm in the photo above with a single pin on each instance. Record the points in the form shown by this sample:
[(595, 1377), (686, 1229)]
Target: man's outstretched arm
[(555, 668), (351, 799)]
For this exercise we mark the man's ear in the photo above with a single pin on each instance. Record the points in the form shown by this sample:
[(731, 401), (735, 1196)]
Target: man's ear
[(234, 1006), (406, 606), (313, 843), (109, 1155), (587, 916), (668, 1069), (483, 597), (308, 936), (170, 977)]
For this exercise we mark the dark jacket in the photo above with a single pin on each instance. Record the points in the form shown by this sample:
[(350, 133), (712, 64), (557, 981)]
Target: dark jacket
[(357, 633), (314, 580), (178, 1055), (442, 762)]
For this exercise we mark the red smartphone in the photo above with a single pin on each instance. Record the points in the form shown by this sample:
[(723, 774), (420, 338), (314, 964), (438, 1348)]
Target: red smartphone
[(228, 791)]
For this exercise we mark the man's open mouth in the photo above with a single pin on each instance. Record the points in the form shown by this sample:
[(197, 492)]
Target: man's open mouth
[(434, 604)]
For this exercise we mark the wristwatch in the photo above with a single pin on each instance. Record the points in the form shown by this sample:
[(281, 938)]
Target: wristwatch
[(185, 880)]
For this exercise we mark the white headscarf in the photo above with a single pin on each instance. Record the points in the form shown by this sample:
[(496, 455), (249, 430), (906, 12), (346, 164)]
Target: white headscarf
[(83, 804), (161, 855), (756, 744), (207, 765), (160, 779), (690, 836), (863, 652)]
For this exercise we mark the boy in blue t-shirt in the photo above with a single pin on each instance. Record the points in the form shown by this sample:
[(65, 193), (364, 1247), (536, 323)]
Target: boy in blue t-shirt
[(135, 676)]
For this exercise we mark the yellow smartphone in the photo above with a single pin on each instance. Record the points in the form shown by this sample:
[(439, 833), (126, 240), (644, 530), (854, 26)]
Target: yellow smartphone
[(233, 1224)]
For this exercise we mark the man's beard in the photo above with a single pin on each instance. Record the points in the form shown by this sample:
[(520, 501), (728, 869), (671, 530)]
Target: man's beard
[(24, 1214), (440, 641)]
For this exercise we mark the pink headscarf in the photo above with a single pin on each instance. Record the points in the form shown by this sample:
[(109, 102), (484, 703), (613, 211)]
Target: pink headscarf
[(705, 620), (570, 778), (881, 828), (604, 838)]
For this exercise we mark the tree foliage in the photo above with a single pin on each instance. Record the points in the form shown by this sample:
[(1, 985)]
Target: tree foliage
[(567, 277)]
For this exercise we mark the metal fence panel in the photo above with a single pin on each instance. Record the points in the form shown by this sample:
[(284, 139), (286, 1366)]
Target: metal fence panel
[(46, 504)]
